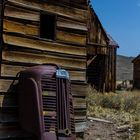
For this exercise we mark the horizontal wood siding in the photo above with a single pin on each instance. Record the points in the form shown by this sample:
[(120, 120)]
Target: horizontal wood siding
[(21, 13), (24, 48), (14, 56), (11, 71), (81, 4), (70, 37), (73, 13), (17, 27), (44, 45), (71, 24), (1, 29), (5, 84)]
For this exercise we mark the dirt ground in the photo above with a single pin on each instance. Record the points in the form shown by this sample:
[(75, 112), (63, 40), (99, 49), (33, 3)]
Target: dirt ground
[(106, 131), (100, 131)]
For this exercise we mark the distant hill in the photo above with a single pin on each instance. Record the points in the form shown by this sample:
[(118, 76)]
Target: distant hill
[(124, 68)]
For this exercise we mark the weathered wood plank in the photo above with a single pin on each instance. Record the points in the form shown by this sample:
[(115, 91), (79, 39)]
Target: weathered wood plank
[(79, 119), (73, 13), (96, 32), (11, 71), (65, 23), (4, 85), (79, 90), (20, 13), (79, 103), (14, 56), (44, 45), (77, 75), (79, 107), (80, 111), (71, 37), (99, 120), (10, 26), (81, 4), (94, 50)]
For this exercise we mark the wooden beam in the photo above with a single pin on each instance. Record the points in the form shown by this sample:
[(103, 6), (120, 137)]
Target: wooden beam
[(11, 71), (43, 45), (15, 56), (91, 60), (72, 13)]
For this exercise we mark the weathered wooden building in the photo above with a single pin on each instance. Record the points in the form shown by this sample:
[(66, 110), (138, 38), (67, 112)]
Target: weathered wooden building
[(111, 62), (136, 72), (64, 32), (101, 56)]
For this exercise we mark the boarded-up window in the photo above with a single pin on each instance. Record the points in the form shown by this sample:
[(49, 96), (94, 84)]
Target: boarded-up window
[(47, 26)]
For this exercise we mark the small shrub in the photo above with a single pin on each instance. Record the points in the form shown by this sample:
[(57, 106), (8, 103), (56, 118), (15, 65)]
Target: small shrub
[(111, 101), (122, 107), (122, 101), (129, 103)]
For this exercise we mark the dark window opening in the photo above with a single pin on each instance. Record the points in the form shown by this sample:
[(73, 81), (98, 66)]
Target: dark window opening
[(47, 26)]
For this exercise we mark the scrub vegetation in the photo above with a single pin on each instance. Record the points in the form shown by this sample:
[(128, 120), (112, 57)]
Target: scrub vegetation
[(121, 108)]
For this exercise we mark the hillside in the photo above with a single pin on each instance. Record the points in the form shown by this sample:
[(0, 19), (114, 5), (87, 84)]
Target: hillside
[(124, 68)]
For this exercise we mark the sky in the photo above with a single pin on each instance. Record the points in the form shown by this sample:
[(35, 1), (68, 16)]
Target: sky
[(121, 19)]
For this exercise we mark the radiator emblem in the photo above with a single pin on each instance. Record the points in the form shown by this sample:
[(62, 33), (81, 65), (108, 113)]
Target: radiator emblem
[(61, 73)]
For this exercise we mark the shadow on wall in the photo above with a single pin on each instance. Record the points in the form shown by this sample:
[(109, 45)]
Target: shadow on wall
[(9, 116)]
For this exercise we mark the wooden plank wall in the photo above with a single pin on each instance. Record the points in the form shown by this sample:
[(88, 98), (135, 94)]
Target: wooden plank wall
[(101, 56), (104, 62), (23, 48), (81, 4), (96, 34), (1, 26), (96, 72), (97, 52), (110, 79), (136, 73), (113, 69), (101, 71)]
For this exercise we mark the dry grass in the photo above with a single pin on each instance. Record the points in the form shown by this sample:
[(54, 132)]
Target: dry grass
[(121, 108)]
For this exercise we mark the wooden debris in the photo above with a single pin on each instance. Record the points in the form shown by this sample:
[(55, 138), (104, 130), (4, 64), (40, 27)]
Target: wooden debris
[(99, 120)]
